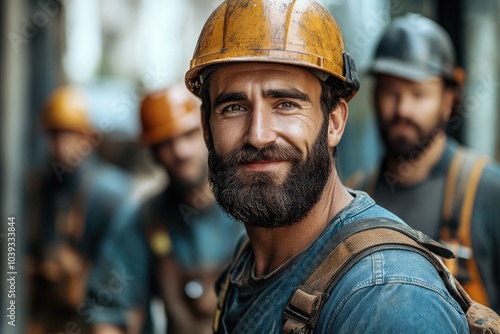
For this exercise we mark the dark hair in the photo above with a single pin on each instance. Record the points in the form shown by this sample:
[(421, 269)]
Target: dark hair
[(332, 91)]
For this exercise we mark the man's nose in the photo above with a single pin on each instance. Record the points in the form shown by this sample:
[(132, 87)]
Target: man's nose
[(404, 106), (261, 132), (181, 147)]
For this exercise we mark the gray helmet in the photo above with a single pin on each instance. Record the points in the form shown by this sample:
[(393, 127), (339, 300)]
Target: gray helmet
[(415, 48)]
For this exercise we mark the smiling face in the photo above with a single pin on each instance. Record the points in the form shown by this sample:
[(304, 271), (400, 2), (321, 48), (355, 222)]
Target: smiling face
[(411, 113), (270, 153), (184, 156), (65, 146)]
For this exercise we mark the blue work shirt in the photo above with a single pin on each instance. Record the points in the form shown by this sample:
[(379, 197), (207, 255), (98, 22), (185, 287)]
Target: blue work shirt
[(198, 239), (95, 191), (390, 291)]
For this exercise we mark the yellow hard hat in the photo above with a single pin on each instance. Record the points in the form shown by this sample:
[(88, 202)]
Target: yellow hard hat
[(168, 113), (66, 109), (300, 32)]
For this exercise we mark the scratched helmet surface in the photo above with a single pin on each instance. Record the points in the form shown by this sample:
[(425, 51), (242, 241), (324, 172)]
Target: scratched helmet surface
[(300, 32)]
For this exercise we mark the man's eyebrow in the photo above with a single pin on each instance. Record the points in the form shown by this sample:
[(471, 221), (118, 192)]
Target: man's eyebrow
[(291, 93), (228, 97)]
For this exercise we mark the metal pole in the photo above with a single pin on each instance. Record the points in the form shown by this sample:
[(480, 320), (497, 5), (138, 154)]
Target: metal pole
[(14, 104), (481, 105)]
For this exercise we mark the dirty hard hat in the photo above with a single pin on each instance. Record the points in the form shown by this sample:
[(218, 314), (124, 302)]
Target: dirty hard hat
[(300, 32)]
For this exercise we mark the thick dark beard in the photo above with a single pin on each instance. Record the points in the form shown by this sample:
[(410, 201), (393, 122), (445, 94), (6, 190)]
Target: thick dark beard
[(406, 149), (255, 199)]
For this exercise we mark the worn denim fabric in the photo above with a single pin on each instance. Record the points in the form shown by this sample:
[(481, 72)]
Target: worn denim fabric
[(391, 291)]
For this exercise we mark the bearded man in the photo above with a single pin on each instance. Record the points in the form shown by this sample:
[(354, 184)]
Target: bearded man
[(426, 178), (274, 80)]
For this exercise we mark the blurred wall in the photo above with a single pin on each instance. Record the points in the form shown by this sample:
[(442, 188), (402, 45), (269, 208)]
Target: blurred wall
[(120, 49), (473, 27), (482, 64), (15, 97)]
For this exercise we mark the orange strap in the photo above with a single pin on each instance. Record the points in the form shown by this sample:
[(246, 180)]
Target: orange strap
[(462, 181), (475, 287), (451, 185)]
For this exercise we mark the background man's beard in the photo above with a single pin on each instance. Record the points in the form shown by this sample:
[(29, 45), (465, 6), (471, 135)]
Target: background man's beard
[(405, 148), (255, 198), (188, 185)]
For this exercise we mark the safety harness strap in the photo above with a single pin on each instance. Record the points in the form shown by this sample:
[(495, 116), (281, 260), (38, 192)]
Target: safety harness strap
[(350, 244), (462, 181), (222, 294)]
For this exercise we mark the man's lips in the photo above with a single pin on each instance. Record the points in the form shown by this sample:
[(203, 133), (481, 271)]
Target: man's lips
[(262, 165), (402, 127)]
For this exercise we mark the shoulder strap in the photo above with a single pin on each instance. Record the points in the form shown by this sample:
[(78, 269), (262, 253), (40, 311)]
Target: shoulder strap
[(450, 198), (462, 181), (469, 196), (351, 244), (227, 281), (155, 230)]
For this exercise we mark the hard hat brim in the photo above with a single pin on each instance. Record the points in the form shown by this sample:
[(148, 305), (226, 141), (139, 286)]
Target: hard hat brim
[(401, 69), (181, 125)]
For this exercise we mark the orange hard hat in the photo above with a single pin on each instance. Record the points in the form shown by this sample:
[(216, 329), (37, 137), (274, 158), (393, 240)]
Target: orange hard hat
[(300, 32), (168, 113), (66, 109)]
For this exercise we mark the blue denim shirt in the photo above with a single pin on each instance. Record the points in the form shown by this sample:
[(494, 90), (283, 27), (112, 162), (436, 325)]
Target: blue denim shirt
[(390, 291), (199, 239)]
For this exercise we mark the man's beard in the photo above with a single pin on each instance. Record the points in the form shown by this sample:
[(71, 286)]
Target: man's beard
[(184, 185), (255, 198), (405, 147)]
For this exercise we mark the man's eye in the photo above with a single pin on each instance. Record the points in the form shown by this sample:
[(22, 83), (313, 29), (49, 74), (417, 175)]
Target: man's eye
[(388, 93), (287, 105), (420, 95), (233, 108)]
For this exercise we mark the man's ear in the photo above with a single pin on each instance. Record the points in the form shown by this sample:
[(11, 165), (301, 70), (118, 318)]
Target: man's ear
[(204, 126), (336, 123), (448, 102)]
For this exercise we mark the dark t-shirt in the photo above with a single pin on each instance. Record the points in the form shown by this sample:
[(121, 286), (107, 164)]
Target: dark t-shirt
[(420, 205), (429, 195)]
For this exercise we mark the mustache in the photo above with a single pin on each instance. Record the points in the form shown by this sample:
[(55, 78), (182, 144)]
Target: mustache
[(249, 154), (398, 119)]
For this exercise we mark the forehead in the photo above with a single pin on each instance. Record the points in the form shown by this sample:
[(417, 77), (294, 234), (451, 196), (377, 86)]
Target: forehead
[(242, 76), (184, 126), (62, 134), (389, 80)]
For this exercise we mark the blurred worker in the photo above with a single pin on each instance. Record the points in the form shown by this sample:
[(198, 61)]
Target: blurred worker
[(70, 205), (274, 80), (427, 178), (175, 244)]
